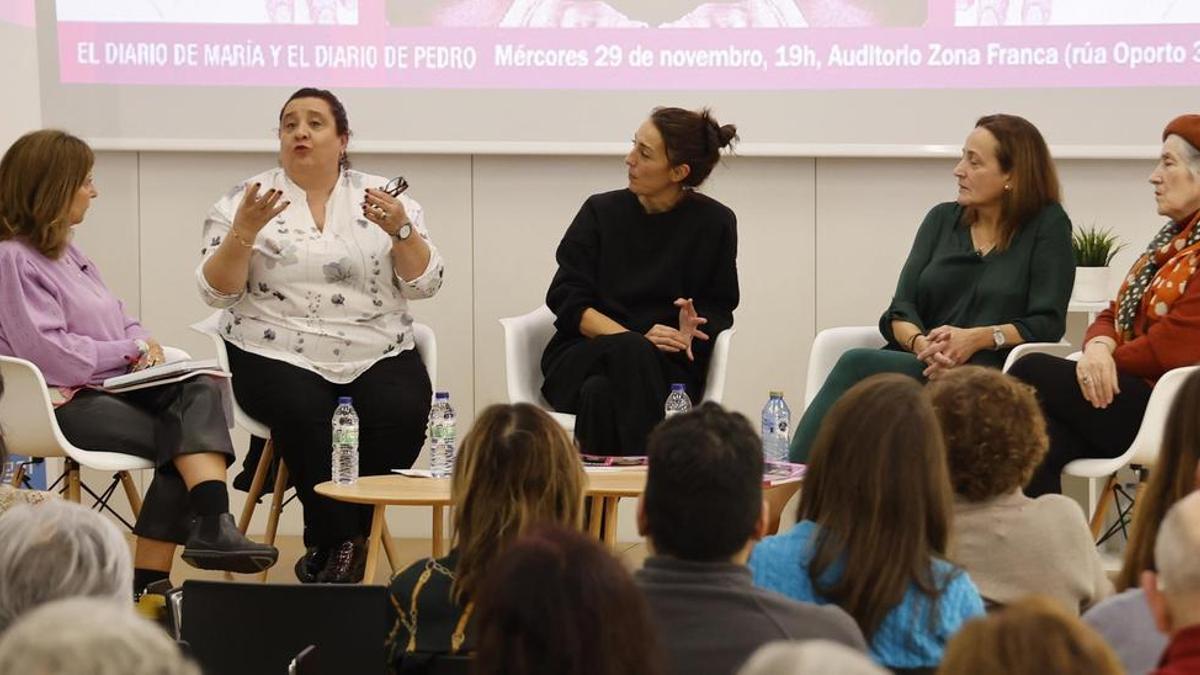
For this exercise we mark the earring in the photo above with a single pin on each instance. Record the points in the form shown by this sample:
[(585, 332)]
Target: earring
[(1007, 187)]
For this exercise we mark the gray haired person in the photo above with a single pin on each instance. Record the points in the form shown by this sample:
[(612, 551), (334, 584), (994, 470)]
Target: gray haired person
[(89, 636), (59, 550)]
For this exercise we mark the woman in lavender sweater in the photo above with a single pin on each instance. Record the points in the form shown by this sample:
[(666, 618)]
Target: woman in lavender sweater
[(58, 314)]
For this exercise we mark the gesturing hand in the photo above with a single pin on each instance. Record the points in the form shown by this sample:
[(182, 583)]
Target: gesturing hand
[(384, 210), (689, 323), (255, 211)]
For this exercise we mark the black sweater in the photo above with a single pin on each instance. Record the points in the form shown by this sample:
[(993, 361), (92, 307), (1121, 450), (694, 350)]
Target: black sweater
[(631, 266)]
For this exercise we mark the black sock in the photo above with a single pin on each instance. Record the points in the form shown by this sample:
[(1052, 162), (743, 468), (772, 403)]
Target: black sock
[(144, 577), (210, 498)]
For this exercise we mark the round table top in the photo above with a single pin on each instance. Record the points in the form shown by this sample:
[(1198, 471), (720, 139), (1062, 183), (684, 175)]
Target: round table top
[(399, 490)]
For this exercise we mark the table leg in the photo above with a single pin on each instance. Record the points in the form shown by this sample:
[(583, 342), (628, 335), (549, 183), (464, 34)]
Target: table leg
[(373, 544), (610, 521), (389, 548), (439, 531), (595, 515)]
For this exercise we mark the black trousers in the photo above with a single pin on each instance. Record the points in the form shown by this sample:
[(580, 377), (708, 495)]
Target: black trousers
[(392, 400), (1076, 428), (616, 385), (158, 424)]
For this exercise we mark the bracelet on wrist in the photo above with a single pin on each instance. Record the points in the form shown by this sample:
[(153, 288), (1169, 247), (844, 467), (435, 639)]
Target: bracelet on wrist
[(238, 237), (912, 342)]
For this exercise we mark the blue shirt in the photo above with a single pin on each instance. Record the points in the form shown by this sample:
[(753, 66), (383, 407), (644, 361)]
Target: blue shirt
[(905, 638)]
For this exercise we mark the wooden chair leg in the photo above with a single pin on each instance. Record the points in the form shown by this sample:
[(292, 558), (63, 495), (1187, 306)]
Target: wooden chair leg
[(256, 486), (73, 489), (18, 475), (131, 494), (1102, 506), (276, 509)]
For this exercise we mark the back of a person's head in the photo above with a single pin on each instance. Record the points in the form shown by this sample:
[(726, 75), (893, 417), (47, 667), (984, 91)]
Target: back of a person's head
[(878, 488), (59, 550), (89, 636), (557, 603), (994, 430), (1176, 551), (1033, 635), (811, 657), (703, 496), (516, 468), (1173, 478)]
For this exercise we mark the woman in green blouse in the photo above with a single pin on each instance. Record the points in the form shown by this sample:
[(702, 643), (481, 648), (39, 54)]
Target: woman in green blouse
[(988, 271)]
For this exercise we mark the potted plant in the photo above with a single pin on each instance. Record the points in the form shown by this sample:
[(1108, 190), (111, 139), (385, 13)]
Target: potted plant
[(1094, 251)]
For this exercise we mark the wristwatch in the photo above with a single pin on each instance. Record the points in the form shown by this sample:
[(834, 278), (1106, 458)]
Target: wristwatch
[(403, 233), (998, 340)]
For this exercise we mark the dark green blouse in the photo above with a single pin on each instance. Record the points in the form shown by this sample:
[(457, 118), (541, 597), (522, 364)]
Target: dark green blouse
[(946, 282)]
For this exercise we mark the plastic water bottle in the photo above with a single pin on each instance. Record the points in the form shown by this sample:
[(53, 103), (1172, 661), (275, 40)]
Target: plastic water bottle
[(345, 443), (776, 425), (442, 436), (677, 401)]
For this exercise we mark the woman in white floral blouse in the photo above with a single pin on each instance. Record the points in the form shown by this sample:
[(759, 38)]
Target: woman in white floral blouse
[(314, 265)]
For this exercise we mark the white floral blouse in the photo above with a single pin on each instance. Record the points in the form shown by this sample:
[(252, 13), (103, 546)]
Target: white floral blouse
[(325, 300)]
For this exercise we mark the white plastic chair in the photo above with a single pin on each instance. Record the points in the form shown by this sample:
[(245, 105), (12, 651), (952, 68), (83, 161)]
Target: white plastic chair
[(526, 337), (31, 429), (831, 343), (1142, 452), (426, 345)]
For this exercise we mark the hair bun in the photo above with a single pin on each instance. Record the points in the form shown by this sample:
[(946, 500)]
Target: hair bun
[(727, 135)]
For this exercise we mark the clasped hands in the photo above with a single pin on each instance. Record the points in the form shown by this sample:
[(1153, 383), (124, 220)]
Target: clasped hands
[(670, 339), (945, 347), (153, 356)]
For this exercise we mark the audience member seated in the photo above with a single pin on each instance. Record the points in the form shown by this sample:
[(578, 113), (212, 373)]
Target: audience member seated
[(59, 314), (1094, 406), (811, 657), (1124, 619), (316, 307), (557, 602), (1011, 545), (89, 636), (516, 467), (702, 512), (59, 550), (1033, 635), (985, 273), (1173, 590), (640, 270), (874, 520), (11, 495)]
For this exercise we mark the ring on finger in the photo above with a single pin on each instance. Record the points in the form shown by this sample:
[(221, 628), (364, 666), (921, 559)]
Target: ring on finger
[(1085, 379)]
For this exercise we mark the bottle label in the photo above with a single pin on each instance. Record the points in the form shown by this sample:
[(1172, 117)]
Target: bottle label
[(344, 437)]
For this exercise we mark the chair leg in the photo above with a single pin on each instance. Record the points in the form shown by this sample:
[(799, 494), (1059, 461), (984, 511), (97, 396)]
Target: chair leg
[(256, 485), (276, 508), (1102, 506), (18, 475), (73, 491), (131, 494)]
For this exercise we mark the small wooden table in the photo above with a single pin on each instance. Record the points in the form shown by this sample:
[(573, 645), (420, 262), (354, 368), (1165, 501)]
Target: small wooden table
[(605, 488)]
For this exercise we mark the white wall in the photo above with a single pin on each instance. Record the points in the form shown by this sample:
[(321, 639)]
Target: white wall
[(821, 243), (19, 81)]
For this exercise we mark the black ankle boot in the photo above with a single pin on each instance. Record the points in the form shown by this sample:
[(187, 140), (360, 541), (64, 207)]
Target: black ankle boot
[(216, 544), (347, 563), (311, 563)]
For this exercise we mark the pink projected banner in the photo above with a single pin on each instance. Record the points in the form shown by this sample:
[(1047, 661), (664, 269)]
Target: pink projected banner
[(538, 44)]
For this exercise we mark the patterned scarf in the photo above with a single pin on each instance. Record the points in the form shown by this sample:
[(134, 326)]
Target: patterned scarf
[(1158, 278)]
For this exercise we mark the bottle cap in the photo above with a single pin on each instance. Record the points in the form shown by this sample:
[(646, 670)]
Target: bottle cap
[(678, 387), (345, 400), (775, 393), (442, 395)]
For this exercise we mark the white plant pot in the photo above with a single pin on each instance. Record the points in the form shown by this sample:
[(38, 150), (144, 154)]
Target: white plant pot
[(1091, 284)]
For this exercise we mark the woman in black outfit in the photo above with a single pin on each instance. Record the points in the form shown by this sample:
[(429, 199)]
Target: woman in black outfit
[(645, 276)]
